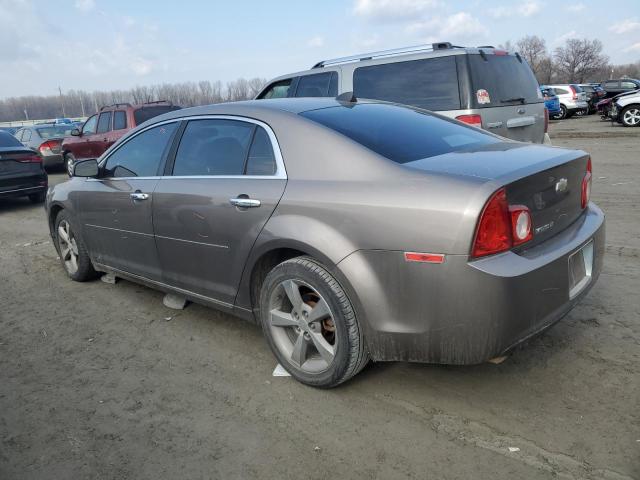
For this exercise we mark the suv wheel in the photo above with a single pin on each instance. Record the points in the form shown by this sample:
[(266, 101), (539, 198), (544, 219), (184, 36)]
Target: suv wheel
[(562, 115), (73, 253), (310, 324), (630, 116)]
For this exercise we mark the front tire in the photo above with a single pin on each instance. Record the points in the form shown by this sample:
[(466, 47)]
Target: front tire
[(630, 116), (562, 115), (69, 160), (72, 251), (310, 324)]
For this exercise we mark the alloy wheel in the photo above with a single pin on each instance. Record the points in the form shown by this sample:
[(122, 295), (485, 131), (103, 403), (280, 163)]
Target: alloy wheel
[(302, 326), (68, 247), (631, 117)]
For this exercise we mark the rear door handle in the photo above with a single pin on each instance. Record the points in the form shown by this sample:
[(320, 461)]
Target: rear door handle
[(245, 202), (139, 196)]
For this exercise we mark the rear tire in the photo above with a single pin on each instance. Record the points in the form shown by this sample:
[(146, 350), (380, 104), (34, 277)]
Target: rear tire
[(562, 115), (37, 197), (310, 324), (71, 248)]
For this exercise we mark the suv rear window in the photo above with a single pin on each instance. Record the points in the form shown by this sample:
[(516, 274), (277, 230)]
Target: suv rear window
[(504, 78), (430, 83), (143, 114), (400, 134)]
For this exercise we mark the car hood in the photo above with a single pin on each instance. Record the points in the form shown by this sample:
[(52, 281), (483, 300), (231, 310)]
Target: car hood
[(503, 161)]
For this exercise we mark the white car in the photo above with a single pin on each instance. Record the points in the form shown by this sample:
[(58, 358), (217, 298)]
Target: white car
[(573, 100), (626, 109)]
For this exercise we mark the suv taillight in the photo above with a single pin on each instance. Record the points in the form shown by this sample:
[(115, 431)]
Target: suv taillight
[(546, 119), (474, 119), (501, 226), (573, 90), (586, 185)]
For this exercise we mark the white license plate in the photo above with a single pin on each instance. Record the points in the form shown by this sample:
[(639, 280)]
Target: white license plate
[(580, 268)]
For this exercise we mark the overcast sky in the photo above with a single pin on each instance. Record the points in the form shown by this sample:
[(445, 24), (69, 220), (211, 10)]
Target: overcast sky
[(110, 44)]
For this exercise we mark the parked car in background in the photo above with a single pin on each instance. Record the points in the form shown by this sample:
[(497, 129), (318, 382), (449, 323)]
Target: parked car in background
[(572, 99), (63, 121), (251, 208), (622, 85), (595, 93), (604, 106), (22, 173), (626, 109), (45, 138), (551, 101), (484, 87), (103, 129)]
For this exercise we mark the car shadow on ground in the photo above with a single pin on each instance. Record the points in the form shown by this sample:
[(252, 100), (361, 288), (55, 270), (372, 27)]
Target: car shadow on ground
[(16, 204)]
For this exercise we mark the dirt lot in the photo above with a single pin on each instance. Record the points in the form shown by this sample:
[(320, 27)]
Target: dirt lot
[(103, 381)]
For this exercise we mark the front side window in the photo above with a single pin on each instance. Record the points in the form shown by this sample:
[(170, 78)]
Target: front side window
[(431, 83), (398, 133), (610, 85), (142, 155), (278, 89), (104, 122), (314, 85), (89, 126), (119, 120), (213, 147)]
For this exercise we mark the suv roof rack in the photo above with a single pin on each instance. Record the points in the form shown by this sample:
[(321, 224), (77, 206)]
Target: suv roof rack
[(116, 105), (168, 102), (386, 53)]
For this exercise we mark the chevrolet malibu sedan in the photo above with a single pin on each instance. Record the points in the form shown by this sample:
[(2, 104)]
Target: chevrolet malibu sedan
[(349, 230)]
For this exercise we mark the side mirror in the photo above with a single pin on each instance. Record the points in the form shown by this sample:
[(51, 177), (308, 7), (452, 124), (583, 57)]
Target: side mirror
[(75, 132), (85, 168)]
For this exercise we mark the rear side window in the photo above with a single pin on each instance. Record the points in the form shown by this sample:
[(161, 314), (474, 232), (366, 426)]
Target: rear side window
[(398, 133), (143, 114), (104, 122), (500, 80), (213, 147), (431, 83), (119, 120), (317, 85), (8, 140), (261, 160), (26, 136), (561, 91), (278, 89), (141, 156)]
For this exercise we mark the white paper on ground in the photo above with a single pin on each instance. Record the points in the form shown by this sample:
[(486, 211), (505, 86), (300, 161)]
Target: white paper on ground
[(279, 371)]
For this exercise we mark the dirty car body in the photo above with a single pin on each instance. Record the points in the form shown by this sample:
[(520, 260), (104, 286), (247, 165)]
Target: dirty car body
[(398, 221)]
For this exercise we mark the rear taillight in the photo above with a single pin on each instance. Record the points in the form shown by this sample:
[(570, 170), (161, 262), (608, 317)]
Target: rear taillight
[(474, 120), (546, 119), (573, 90), (586, 185), (501, 226), (29, 159), (49, 145)]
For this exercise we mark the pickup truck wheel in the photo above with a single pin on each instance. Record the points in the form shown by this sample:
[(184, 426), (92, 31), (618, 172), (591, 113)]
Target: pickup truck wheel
[(69, 159), (630, 116), (310, 324), (72, 251)]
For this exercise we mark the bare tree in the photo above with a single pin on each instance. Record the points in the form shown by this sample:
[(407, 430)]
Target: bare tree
[(579, 59), (534, 50)]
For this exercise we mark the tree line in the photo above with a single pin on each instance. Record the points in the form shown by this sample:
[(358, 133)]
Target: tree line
[(577, 61), (80, 103)]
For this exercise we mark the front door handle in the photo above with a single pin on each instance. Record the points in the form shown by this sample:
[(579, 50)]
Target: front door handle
[(139, 196), (244, 202)]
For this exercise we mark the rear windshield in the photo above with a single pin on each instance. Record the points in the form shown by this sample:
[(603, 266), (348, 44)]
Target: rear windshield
[(431, 83), (398, 133), (502, 80), (8, 140), (143, 114), (55, 132)]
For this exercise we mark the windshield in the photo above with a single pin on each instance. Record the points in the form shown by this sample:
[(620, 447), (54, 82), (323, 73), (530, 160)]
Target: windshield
[(401, 134), (502, 80), (55, 132)]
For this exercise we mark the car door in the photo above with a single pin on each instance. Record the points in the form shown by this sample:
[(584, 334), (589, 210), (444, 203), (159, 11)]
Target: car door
[(82, 147), (116, 208), (101, 141), (221, 186)]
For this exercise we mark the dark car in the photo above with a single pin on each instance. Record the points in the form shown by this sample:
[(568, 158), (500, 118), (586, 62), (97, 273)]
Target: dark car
[(47, 139), (103, 129), (348, 230), (21, 170), (615, 87)]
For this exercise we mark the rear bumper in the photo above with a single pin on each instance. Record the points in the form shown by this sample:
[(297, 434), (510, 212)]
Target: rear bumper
[(462, 312), (52, 160)]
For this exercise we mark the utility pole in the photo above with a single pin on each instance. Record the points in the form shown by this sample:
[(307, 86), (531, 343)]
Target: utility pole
[(62, 101), (25, 113), (82, 105)]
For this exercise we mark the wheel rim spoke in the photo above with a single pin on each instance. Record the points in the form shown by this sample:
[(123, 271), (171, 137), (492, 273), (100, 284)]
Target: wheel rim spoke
[(282, 319), (63, 233), (300, 348), (74, 246), (319, 312), (325, 350), (292, 290)]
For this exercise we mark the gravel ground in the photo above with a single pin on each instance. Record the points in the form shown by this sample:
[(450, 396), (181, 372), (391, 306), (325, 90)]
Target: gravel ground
[(103, 382)]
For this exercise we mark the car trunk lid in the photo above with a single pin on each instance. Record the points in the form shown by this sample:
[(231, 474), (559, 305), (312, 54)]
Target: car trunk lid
[(18, 168)]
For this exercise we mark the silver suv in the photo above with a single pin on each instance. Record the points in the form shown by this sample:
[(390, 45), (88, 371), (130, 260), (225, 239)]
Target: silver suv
[(485, 87)]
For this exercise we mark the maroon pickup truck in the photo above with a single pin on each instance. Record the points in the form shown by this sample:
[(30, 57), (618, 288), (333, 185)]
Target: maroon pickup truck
[(101, 130)]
